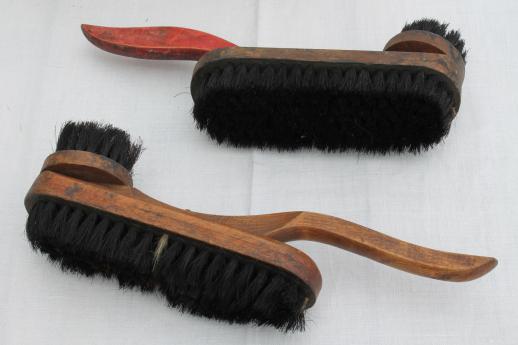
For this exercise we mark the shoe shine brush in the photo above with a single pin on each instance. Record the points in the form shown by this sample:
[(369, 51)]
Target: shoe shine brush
[(403, 98), (85, 214)]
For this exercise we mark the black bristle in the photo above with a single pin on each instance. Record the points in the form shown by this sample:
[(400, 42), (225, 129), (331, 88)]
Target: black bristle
[(194, 276), (286, 105), (441, 29), (102, 139), (290, 105)]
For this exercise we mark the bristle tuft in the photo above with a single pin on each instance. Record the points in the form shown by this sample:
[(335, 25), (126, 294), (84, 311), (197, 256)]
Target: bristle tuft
[(436, 27), (102, 139)]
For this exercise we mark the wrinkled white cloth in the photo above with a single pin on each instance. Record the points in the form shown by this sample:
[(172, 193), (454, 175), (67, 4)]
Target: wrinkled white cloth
[(460, 196)]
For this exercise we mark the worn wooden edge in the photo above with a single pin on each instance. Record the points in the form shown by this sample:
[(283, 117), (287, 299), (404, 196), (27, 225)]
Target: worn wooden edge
[(88, 166), (129, 203), (441, 64)]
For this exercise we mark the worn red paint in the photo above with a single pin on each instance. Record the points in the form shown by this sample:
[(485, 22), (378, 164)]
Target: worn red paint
[(160, 43)]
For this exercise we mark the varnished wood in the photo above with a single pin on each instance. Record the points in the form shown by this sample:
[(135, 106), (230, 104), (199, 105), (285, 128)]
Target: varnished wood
[(310, 226), (259, 237), (88, 166)]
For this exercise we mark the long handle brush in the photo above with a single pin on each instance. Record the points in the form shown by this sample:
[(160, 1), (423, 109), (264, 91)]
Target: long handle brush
[(403, 98), (85, 214)]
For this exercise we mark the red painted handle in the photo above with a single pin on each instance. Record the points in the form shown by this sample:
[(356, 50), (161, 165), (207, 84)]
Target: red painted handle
[(158, 43)]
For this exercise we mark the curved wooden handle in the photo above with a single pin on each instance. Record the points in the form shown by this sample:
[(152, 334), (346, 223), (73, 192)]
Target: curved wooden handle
[(291, 226), (157, 43)]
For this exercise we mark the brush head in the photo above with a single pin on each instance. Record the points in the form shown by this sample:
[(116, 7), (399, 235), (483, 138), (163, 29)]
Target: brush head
[(290, 104), (194, 276)]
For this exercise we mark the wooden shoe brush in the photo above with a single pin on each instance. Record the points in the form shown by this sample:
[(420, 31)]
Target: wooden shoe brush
[(85, 214), (403, 98)]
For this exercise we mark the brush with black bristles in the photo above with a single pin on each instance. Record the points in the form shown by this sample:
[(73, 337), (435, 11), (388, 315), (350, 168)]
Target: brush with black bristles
[(403, 98), (85, 215)]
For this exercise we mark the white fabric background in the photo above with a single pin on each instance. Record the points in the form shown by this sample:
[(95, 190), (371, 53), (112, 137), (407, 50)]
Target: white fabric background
[(460, 196)]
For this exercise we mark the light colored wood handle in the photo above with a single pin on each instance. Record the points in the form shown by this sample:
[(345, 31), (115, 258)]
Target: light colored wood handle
[(291, 226)]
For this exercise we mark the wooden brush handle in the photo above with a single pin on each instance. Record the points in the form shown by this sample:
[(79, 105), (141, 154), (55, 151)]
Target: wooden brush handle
[(291, 226), (158, 43), (288, 226)]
